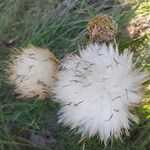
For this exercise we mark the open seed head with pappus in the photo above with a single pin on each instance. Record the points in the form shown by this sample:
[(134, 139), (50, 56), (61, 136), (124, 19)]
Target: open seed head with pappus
[(32, 72), (96, 88)]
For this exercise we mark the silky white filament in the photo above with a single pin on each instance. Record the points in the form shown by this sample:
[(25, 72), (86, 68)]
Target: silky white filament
[(33, 72), (96, 88)]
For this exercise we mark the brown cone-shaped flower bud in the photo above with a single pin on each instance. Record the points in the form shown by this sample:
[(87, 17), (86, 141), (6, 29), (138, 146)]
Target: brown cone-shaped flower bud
[(101, 28)]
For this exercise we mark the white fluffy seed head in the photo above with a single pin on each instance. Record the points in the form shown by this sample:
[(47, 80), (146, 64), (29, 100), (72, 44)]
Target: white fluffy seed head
[(96, 89), (32, 72)]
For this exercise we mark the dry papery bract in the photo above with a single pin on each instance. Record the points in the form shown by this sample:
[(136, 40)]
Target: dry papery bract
[(32, 72)]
